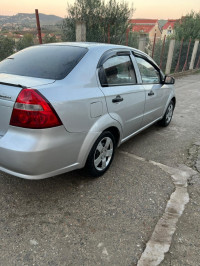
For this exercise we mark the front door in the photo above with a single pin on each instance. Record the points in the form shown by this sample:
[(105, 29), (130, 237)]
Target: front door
[(156, 95)]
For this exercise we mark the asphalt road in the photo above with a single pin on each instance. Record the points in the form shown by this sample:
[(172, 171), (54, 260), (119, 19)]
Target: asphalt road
[(73, 220)]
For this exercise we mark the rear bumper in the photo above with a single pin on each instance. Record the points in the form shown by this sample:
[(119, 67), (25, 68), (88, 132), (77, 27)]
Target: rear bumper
[(41, 176), (38, 154)]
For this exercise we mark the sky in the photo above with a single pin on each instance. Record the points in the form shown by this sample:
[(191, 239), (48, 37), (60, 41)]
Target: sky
[(158, 9)]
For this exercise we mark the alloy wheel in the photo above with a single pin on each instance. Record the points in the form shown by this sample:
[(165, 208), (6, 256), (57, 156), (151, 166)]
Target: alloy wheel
[(103, 153), (169, 113)]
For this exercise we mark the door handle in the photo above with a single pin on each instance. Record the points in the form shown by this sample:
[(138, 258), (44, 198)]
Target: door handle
[(117, 99), (151, 93)]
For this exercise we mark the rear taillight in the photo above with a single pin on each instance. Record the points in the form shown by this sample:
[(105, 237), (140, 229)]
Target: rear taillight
[(32, 110)]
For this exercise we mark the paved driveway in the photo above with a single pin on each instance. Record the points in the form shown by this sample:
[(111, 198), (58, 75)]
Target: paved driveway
[(73, 220)]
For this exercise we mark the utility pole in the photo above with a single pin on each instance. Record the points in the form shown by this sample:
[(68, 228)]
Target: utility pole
[(38, 26)]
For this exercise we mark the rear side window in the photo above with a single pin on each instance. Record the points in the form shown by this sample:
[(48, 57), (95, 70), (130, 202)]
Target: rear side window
[(148, 72), (118, 71), (45, 61)]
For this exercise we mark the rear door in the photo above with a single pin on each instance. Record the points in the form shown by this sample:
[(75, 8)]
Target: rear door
[(125, 98)]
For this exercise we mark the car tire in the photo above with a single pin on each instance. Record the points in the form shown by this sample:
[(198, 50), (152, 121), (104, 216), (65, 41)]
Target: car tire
[(165, 121), (101, 155)]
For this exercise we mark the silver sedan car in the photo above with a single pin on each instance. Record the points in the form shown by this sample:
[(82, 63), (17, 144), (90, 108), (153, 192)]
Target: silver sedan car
[(66, 106)]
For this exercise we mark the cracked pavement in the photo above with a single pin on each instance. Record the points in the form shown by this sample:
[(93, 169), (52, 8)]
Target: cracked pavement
[(73, 220)]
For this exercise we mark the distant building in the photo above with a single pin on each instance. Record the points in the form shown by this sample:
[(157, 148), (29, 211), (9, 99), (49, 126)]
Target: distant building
[(168, 28), (17, 37), (58, 37), (42, 35), (8, 35), (28, 29), (146, 27)]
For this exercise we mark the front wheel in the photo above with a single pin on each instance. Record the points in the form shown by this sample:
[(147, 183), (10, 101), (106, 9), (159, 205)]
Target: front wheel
[(168, 115), (101, 155)]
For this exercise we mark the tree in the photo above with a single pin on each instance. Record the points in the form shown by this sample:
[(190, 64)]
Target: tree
[(133, 39), (102, 19), (188, 27), (26, 41), (7, 47)]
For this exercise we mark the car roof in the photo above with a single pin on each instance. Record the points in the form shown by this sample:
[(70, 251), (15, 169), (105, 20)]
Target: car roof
[(103, 47), (85, 44), (95, 45), (90, 45)]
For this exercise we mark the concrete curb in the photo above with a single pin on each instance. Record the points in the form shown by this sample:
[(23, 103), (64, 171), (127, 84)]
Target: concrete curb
[(160, 241)]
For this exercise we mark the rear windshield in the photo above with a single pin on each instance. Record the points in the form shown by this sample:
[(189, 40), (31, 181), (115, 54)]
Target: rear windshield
[(45, 61)]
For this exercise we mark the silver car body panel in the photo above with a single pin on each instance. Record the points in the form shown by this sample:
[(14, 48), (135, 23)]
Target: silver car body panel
[(37, 154), (24, 81), (23, 155), (154, 104), (130, 111), (85, 109)]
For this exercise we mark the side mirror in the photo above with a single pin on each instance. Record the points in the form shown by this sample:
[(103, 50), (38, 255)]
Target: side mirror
[(169, 80)]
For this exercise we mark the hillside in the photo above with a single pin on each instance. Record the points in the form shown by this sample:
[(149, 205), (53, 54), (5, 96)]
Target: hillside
[(26, 19)]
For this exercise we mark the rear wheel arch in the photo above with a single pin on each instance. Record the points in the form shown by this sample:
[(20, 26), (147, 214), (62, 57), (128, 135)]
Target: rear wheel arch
[(95, 156), (101, 154), (116, 134), (105, 123)]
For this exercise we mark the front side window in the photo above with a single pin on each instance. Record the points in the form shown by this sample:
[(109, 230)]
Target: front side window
[(118, 71), (148, 72)]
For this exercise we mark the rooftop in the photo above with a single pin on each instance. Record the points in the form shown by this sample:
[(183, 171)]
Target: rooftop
[(142, 28), (169, 23), (143, 21)]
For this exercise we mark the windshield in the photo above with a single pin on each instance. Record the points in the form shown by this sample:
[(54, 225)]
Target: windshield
[(44, 61)]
